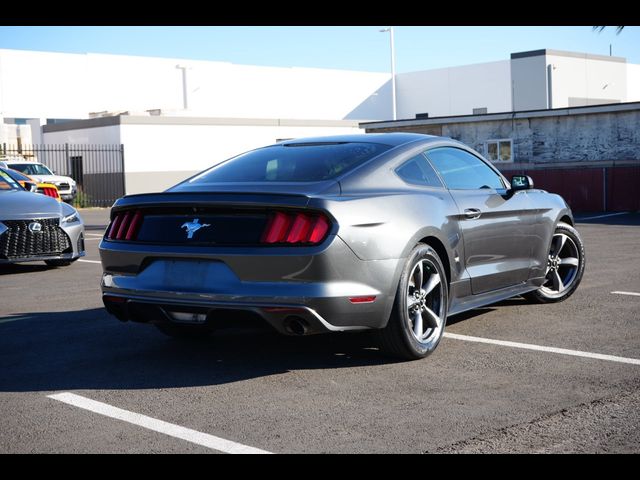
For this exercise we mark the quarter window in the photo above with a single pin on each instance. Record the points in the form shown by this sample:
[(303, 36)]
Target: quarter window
[(419, 172), (461, 170), (499, 150)]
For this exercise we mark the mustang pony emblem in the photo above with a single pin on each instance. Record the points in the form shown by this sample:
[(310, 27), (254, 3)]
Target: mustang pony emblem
[(193, 227)]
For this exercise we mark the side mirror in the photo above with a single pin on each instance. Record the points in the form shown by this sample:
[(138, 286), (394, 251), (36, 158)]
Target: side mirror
[(30, 186), (521, 182)]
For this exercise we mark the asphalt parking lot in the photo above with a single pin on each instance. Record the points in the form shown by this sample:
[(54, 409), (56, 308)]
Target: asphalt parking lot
[(332, 393)]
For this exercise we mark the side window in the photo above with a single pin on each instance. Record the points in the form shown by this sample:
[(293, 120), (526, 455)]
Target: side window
[(419, 172), (461, 170)]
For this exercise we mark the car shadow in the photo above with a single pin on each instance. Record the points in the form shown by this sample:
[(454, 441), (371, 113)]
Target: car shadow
[(15, 268), (89, 349), (510, 302)]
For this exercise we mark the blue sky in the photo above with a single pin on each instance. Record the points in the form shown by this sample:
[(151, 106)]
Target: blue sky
[(351, 48)]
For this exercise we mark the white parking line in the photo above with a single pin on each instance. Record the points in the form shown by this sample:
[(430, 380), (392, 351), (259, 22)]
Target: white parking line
[(602, 216), (528, 346), (89, 261), (193, 436), (627, 293)]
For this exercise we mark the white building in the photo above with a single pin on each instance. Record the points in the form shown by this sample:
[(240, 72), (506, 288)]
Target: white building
[(532, 80), (46, 85)]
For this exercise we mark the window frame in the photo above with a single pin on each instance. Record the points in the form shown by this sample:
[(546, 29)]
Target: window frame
[(497, 141), (422, 154), (488, 163)]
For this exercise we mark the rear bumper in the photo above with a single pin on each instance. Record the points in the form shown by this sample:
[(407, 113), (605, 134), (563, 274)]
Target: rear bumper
[(313, 287), (286, 319)]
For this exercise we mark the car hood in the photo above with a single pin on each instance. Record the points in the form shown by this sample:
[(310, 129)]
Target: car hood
[(52, 179), (18, 204)]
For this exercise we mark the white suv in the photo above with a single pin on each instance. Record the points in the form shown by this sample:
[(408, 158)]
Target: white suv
[(41, 173)]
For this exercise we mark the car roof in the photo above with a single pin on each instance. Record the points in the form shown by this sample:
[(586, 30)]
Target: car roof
[(393, 139), (14, 162)]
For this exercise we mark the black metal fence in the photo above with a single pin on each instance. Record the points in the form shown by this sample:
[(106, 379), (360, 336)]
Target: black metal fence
[(97, 169)]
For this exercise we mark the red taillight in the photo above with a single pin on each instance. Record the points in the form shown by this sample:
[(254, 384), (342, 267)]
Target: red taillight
[(277, 228), (132, 231), (125, 226), (319, 231), (296, 228), (300, 229)]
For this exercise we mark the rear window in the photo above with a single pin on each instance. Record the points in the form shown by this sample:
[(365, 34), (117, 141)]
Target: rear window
[(292, 163)]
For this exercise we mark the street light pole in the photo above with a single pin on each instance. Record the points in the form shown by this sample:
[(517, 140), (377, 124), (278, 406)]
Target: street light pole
[(185, 104), (393, 71)]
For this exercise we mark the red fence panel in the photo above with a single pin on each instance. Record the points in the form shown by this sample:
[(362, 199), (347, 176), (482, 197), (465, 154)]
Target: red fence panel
[(623, 189)]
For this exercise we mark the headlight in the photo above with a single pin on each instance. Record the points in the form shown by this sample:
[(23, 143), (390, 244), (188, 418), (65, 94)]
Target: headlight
[(73, 218)]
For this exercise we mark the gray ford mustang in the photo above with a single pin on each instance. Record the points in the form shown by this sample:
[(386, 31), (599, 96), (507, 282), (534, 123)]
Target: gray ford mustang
[(36, 227), (387, 232)]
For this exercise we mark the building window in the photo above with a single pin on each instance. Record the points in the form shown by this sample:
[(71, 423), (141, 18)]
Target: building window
[(499, 150)]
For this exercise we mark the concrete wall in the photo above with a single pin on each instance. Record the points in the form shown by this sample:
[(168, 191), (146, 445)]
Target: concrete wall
[(455, 90), (61, 85), (584, 138)]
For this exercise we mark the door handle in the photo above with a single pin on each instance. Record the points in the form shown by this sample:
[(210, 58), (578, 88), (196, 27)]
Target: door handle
[(472, 213)]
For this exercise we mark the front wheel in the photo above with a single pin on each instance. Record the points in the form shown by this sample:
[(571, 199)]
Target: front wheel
[(565, 266), (420, 309)]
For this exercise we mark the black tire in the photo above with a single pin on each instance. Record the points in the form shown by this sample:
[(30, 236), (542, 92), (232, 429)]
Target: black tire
[(59, 263), (184, 332), (397, 338), (546, 293)]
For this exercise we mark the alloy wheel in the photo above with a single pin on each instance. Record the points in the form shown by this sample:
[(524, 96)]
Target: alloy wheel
[(425, 302), (562, 265)]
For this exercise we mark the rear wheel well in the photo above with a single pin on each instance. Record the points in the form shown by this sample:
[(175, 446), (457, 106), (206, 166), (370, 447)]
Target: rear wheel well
[(566, 219), (440, 249)]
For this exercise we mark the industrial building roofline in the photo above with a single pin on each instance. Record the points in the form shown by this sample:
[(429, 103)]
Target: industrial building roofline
[(563, 53), (173, 120), (554, 112)]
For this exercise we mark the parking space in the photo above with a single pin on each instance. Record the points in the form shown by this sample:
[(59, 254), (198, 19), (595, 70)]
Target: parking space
[(330, 393)]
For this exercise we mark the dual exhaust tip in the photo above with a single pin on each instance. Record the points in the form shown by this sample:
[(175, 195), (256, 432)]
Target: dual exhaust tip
[(295, 325)]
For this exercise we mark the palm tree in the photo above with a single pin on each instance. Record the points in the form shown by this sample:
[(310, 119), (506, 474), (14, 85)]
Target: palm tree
[(601, 28)]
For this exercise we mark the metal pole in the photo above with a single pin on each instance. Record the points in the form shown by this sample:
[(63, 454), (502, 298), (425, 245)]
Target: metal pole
[(393, 74), (185, 104), (122, 168)]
